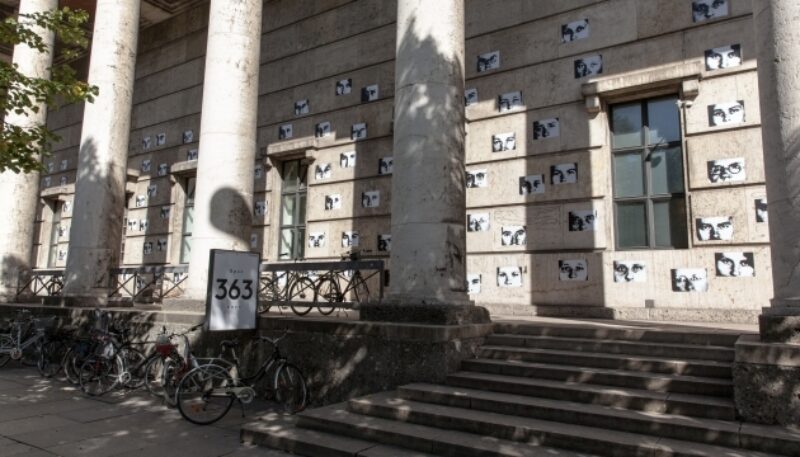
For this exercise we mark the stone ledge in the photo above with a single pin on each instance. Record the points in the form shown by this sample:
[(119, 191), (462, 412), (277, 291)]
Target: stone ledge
[(431, 314), (751, 350), (392, 331), (735, 315)]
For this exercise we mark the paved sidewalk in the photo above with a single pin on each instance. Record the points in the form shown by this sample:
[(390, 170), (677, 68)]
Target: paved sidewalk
[(42, 417)]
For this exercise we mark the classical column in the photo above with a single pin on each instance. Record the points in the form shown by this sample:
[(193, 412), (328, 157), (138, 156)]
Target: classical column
[(20, 191), (224, 196), (428, 259), (778, 40), (96, 231)]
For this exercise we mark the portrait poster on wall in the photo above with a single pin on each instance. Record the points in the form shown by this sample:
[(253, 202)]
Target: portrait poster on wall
[(509, 276), (630, 271), (689, 280)]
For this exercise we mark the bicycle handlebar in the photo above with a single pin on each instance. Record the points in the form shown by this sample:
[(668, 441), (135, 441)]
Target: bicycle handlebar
[(274, 341)]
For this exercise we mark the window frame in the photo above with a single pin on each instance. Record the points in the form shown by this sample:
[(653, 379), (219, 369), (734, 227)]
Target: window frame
[(298, 190), (645, 152), (186, 205), (55, 223)]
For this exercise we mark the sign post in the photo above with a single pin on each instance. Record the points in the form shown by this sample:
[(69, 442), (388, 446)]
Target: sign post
[(232, 300)]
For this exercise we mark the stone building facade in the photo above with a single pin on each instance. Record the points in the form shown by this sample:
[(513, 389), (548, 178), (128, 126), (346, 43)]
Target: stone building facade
[(614, 161)]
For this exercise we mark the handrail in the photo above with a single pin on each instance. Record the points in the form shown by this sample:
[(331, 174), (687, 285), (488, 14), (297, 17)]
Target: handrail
[(50, 281), (137, 280)]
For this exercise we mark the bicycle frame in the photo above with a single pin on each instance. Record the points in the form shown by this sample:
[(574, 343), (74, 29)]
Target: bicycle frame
[(16, 336)]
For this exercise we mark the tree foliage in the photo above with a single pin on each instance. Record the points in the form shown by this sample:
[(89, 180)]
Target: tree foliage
[(21, 148)]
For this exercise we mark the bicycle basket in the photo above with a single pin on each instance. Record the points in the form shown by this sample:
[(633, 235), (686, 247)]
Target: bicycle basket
[(164, 346)]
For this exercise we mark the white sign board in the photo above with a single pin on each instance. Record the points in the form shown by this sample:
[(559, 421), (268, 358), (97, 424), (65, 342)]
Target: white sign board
[(232, 290)]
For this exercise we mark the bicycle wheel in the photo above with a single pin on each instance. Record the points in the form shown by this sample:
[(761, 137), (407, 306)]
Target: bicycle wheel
[(100, 375), (51, 357), (263, 306), (301, 292), (6, 343), (134, 362), (32, 354), (360, 289), (171, 378), (154, 376), (290, 388), (73, 360), (267, 296), (326, 295), (203, 395)]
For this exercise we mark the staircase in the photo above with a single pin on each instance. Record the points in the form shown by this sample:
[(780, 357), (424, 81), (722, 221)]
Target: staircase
[(552, 390)]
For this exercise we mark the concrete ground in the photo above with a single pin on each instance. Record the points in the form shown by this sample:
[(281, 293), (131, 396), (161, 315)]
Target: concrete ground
[(42, 417)]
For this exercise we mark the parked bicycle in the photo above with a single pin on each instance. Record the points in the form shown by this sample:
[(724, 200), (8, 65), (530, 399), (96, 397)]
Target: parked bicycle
[(25, 339), (207, 392), (166, 368), (285, 288), (328, 291), (109, 358)]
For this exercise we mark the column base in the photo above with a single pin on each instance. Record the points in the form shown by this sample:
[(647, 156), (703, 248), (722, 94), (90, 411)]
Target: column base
[(765, 384), (424, 313), (781, 323), (84, 301)]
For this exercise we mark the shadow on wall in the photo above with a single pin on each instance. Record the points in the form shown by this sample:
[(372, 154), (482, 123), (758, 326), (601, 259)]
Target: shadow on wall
[(231, 213), (14, 269)]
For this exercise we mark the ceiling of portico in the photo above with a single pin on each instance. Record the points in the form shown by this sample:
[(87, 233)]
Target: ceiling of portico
[(153, 11)]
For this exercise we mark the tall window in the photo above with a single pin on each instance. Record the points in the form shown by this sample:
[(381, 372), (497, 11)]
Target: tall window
[(649, 194), (55, 232), (293, 210), (188, 220)]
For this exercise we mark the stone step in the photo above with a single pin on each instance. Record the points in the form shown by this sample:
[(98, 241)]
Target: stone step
[(680, 351), (709, 369), (312, 443), (654, 382), (337, 420), (615, 397), (527, 430), (685, 335), (708, 431)]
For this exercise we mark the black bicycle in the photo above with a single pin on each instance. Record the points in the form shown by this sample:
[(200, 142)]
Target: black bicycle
[(206, 393)]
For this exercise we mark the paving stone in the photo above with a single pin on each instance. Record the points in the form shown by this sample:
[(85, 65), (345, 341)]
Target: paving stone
[(32, 424)]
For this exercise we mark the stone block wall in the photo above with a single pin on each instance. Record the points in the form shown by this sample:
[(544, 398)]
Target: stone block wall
[(649, 48)]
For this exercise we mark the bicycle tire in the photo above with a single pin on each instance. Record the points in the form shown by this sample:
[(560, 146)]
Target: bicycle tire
[(51, 357), (170, 381), (73, 360), (32, 354), (196, 397), (290, 388), (134, 361), (6, 343), (302, 288), (263, 306), (100, 375), (360, 289), (154, 376), (327, 291)]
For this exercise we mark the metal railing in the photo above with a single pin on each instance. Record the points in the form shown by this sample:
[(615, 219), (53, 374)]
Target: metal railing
[(40, 283), (277, 279), (154, 283), (147, 283)]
